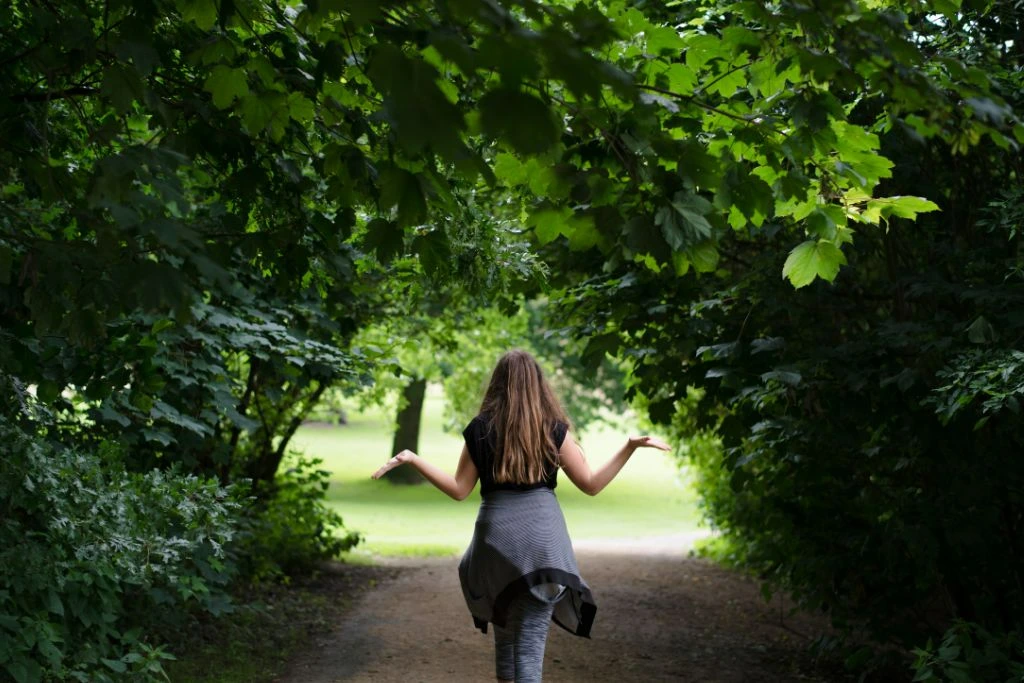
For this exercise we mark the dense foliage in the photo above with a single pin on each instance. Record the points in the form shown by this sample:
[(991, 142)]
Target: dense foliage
[(205, 202), (95, 557), (859, 442), (589, 393)]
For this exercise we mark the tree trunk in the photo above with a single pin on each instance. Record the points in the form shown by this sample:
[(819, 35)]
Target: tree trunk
[(279, 421), (407, 431)]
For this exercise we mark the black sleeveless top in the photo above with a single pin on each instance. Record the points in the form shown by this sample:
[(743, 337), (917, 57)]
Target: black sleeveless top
[(483, 445)]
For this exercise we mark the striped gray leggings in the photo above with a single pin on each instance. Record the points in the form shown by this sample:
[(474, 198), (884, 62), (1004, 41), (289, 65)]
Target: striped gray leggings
[(519, 646)]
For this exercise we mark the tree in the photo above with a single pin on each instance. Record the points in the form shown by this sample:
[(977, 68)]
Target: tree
[(868, 433), (457, 345)]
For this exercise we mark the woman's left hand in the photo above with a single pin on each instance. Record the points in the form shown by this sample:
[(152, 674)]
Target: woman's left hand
[(648, 442), (400, 459)]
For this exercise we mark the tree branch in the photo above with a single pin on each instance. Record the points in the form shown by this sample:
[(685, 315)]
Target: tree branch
[(20, 55), (703, 105), (298, 419), (75, 91), (243, 405)]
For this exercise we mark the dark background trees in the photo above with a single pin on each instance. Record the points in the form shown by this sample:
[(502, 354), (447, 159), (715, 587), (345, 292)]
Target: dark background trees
[(869, 429)]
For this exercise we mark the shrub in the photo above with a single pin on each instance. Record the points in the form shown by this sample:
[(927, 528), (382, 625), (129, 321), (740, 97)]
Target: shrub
[(90, 552), (289, 529), (970, 654)]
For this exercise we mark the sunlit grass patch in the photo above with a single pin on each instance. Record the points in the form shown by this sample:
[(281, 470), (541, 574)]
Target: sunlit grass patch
[(649, 498)]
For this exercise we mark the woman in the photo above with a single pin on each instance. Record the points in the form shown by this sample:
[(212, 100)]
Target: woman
[(519, 571)]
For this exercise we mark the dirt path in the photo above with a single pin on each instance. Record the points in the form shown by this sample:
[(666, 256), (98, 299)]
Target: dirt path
[(661, 617)]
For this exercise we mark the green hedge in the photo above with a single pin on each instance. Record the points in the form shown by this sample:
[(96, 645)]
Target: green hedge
[(93, 556)]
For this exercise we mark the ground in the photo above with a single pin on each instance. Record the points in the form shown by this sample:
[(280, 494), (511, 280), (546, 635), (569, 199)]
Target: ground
[(661, 617)]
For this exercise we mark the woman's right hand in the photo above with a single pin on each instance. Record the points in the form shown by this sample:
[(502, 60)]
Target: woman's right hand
[(648, 442)]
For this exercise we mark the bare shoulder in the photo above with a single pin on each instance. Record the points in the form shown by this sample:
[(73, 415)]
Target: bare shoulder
[(570, 451)]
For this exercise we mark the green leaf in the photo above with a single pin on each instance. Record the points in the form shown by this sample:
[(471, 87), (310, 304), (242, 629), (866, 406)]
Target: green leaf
[(701, 49), (583, 233), (858, 150), (948, 8), (697, 166), (300, 107), (47, 391), (681, 78), (280, 113), (108, 413), (663, 39), (680, 263), (750, 195), (115, 665), (901, 206), (644, 236), (542, 180), (417, 108), (740, 39), (202, 12), (161, 325), (165, 411), (790, 377), (142, 56), (24, 671), (219, 50), (704, 257), (727, 84), (256, 113), (226, 85), (122, 86), (582, 74), (859, 658), (665, 102), (53, 603), (401, 188), (672, 228), (550, 223), (813, 259), (509, 169), (821, 224), (981, 331), (520, 119), (684, 223), (434, 252), (386, 238), (511, 60), (452, 47), (598, 347), (157, 436), (765, 78)]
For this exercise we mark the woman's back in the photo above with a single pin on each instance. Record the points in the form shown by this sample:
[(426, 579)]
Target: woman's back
[(482, 440)]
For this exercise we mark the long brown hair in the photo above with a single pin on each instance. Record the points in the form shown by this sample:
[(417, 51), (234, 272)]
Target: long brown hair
[(522, 411)]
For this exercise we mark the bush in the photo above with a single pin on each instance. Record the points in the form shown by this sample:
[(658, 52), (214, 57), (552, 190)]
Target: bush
[(970, 654), (289, 529), (91, 552)]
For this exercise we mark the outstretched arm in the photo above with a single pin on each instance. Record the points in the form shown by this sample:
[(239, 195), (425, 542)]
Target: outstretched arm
[(458, 487), (592, 482)]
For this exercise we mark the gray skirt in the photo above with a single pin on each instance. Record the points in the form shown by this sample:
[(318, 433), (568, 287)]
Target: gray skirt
[(521, 544)]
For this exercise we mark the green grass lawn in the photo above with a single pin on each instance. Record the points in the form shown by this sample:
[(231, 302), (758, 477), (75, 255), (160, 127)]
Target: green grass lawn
[(648, 498)]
